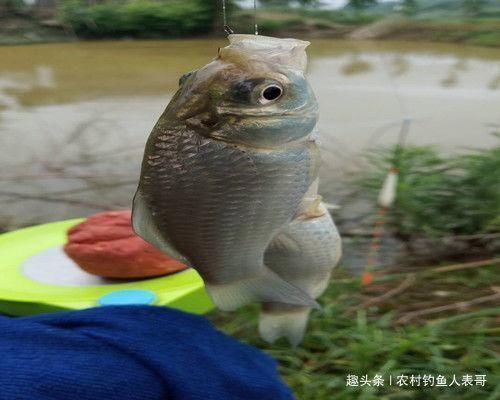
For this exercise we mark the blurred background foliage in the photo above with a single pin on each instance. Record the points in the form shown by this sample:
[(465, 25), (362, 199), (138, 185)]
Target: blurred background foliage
[(470, 21), (439, 195), (138, 18)]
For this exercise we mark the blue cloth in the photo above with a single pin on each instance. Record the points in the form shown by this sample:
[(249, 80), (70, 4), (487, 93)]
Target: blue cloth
[(128, 353)]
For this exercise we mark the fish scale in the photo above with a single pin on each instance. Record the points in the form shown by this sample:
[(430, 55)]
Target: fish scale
[(196, 183)]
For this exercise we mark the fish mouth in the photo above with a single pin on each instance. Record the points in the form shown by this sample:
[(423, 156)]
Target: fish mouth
[(259, 112)]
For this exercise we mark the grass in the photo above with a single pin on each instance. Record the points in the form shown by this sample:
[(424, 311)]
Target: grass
[(439, 195), (371, 341)]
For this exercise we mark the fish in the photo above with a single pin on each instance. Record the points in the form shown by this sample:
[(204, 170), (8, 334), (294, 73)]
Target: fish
[(228, 165), (304, 253)]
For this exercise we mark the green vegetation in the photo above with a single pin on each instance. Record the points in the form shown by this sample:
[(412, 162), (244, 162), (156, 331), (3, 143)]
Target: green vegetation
[(12, 6), (361, 4), (423, 20), (473, 8), (454, 9), (387, 338), (475, 22), (287, 3), (440, 195), (410, 7), (138, 18)]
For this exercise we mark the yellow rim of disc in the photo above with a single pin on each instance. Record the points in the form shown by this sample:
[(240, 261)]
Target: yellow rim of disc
[(183, 290)]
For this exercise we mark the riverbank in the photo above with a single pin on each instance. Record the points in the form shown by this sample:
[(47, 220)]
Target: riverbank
[(17, 30), (25, 30), (479, 32)]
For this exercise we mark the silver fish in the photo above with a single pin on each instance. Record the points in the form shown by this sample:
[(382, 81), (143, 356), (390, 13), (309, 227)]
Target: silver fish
[(304, 253), (227, 165)]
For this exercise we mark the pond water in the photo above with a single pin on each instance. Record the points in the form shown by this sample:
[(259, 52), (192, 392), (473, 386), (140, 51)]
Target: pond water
[(74, 117)]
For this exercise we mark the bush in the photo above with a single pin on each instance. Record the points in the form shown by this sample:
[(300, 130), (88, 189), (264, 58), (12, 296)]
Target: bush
[(138, 18), (345, 17), (9, 8), (438, 195)]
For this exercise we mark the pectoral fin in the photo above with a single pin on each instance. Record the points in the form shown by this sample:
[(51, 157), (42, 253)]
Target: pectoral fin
[(283, 243), (144, 226), (266, 287)]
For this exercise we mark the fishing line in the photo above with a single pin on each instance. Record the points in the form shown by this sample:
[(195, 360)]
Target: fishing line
[(226, 27), (256, 27), (388, 192), (406, 117), (395, 88), (224, 16)]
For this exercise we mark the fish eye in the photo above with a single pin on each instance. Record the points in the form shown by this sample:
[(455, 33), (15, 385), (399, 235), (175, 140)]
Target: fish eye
[(270, 93)]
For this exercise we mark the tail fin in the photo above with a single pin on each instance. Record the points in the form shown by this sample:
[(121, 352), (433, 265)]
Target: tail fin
[(267, 287), (291, 324)]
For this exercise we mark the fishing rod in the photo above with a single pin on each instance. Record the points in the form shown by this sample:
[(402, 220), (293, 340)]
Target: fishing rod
[(388, 192)]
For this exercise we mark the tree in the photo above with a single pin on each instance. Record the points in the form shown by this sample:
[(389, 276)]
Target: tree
[(361, 4), (45, 9), (286, 3), (473, 8), (274, 2), (11, 7), (410, 7), (308, 2)]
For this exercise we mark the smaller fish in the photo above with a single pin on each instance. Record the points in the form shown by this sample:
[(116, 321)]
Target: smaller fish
[(304, 254)]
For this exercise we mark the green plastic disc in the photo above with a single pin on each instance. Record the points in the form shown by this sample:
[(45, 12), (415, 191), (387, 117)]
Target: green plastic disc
[(36, 276)]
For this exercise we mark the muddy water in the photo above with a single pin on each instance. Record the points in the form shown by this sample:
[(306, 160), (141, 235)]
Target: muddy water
[(74, 117)]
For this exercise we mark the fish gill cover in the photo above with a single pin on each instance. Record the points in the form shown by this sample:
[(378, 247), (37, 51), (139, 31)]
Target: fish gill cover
[(289, 53)]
